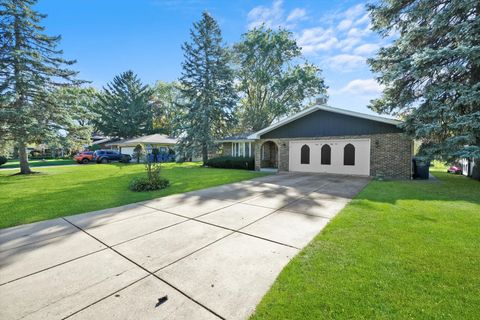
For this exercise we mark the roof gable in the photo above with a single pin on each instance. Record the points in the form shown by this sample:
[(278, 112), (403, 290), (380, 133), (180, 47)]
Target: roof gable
[(150, 139), (374, 121)]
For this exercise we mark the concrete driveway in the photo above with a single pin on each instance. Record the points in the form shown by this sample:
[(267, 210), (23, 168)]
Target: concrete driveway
[(207, 254)]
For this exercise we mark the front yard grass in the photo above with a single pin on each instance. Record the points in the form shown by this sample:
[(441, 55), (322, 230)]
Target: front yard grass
[(62, 191), (38, 163), (400, 250)]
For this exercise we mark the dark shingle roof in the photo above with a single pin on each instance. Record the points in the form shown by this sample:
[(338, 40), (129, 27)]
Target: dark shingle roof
[(241, 136)]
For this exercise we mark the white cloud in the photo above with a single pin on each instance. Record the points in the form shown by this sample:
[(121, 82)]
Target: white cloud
[(343, 31), (270, 16), (275, 16), (355, 11), (345, 62), (363, 20), (358, 33), (361, 87), (316, 39), (344, 24), (366, 49), (347, 44), (297, 14), (354, 36)]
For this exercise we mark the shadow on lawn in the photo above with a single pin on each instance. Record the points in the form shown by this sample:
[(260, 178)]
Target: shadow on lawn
[(17, 244), (451, 188)]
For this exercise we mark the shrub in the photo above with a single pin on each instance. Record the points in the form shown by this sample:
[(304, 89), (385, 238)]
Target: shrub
[(228, 162), (3, 160), (153, 180), (145, 184), (138, 152)]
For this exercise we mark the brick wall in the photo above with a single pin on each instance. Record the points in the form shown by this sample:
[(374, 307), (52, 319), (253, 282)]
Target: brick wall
[(390, 153)]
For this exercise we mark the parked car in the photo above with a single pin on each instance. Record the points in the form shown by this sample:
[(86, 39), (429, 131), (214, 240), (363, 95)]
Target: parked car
[(84, 157), (106, 156), (455, 169)]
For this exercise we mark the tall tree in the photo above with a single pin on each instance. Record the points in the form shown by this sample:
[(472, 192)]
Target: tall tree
[(31, 67), (207, 88), (272, 82), (124, 108), (431, 72), (166, 97), (73, 120)]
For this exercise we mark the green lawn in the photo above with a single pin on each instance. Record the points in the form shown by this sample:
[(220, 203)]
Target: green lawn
[(62, 191), (38, 163), (400, 250)]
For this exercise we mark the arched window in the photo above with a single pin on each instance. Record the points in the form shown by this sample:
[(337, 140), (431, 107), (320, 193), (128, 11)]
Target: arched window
[(326, 156), (305, 154), (349, 155)]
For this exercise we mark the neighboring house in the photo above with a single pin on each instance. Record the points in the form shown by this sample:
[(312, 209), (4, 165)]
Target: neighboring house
[(238, 145), (326, 139), (467, 166), (100, 143), (162, 142)]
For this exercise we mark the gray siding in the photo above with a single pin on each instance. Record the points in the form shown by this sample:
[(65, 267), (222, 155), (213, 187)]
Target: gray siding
[(329, 124)]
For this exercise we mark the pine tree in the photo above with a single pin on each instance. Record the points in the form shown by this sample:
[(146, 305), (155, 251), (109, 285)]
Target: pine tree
[(124, 109), (31, 67), (207, 88), (431, 72)]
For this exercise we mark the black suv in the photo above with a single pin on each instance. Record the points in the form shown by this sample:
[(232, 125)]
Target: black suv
[(106, 156)]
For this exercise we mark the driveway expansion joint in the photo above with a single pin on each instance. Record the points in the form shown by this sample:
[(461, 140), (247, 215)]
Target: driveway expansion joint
[(271, 218), (146, 270)]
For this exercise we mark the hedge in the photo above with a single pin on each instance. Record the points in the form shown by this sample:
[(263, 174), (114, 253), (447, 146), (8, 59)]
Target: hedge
[(246, 163)]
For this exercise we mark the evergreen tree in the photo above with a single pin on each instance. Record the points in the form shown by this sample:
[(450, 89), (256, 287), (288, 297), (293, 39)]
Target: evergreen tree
[(431, 72), (207, 88), (73, 120), (31, 68), (124, 109), (272, 82)]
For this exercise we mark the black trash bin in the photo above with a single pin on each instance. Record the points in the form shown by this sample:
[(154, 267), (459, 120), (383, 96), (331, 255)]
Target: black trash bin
[(421, 168)]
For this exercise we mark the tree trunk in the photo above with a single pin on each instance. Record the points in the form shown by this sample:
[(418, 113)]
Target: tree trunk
[(204, 154), (23, 157)]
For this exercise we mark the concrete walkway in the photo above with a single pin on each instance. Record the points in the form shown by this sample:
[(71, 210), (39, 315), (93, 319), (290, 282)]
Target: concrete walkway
[(207, 254)]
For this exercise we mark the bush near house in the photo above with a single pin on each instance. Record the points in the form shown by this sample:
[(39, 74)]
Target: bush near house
[(62, 191), (3, 160), (141, 184), (227, 162)]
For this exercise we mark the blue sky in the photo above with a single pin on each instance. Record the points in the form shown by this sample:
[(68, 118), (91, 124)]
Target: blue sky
[(107, 37)]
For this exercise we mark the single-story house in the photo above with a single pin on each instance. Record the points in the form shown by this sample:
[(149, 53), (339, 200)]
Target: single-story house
[(163, 142), (331, 140), (468, 166)]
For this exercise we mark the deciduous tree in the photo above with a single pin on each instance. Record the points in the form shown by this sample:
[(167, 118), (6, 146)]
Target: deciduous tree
[(271, 80), (166, 97)]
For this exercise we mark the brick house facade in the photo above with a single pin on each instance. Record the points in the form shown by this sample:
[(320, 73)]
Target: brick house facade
[(382, 148), (390, 154)]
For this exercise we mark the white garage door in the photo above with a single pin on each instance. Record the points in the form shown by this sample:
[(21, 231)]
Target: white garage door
[(128, 150), (331, 156)]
